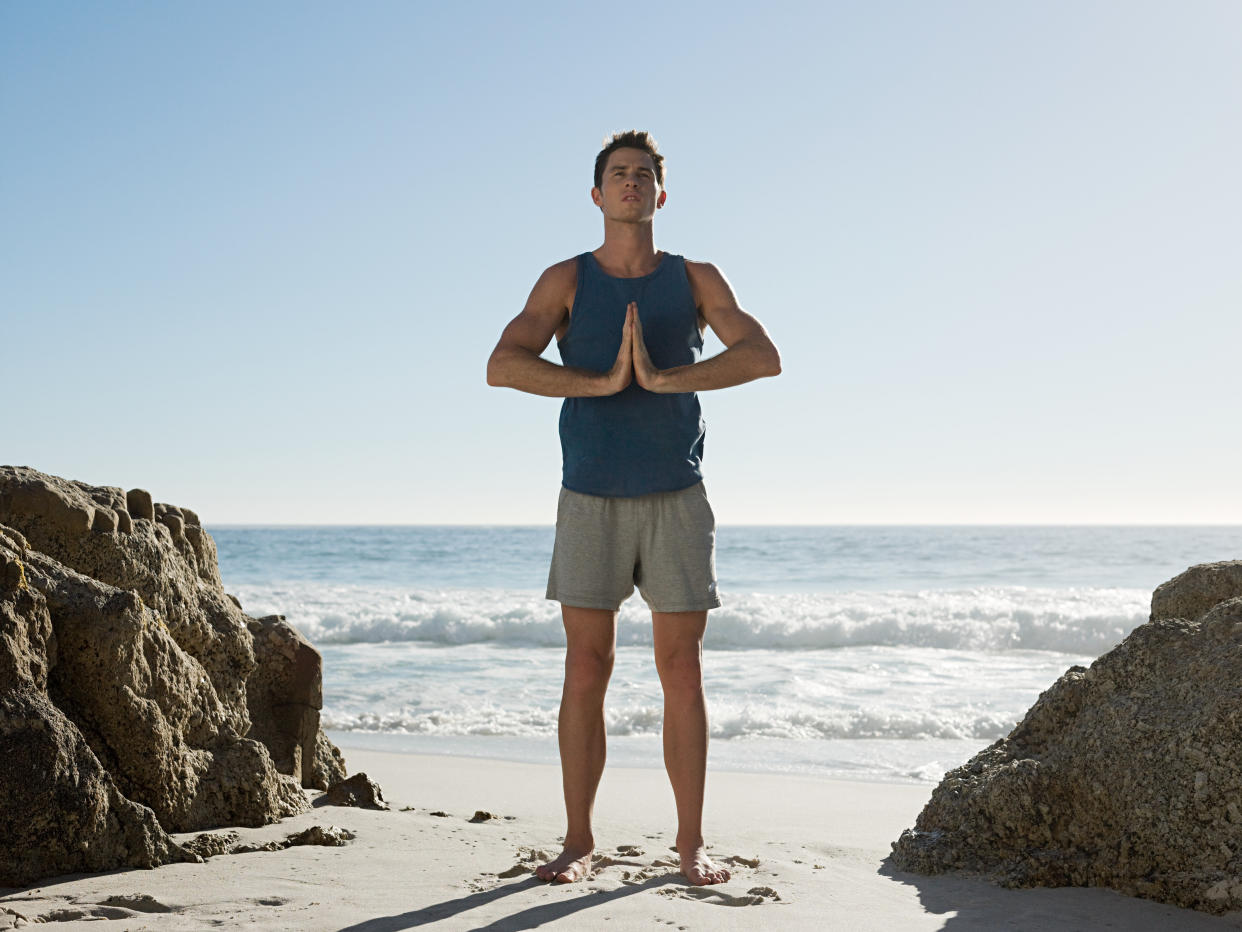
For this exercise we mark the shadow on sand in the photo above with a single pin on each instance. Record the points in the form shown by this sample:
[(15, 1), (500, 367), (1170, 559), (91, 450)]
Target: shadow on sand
[(973, 905), (527, 918)]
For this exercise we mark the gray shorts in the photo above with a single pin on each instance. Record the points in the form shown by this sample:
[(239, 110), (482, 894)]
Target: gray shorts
[(665, 543)]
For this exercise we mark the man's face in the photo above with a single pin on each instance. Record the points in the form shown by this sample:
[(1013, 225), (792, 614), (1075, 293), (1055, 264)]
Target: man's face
[(628, 189)]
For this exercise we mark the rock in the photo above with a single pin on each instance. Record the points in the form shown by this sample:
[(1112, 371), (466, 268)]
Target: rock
[(139, 505), (62, 811), (211, 844), (174, 523), (329, 836), (285, 696), (125, 681), (1121, 775), (356, 791), (105, 520), (328, 766), (482, 815), (191, 519), (1190, 594), (67, 512)]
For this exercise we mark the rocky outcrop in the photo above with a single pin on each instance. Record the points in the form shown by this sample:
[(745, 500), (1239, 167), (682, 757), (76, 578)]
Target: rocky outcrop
[(136, 698), (1126, 774)]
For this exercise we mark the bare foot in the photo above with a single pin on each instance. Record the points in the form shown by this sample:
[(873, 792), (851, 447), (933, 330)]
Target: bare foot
[(698, 868), (570, 865)]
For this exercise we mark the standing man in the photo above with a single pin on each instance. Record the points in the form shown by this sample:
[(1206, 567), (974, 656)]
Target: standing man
[(629, 323)]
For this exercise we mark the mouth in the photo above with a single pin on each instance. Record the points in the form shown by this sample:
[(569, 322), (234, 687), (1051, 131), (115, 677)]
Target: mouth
[(631, 197)]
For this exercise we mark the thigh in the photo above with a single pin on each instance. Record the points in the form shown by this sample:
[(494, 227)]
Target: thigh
[(673, 632), (590, 629), (677, 553), (594, 553)]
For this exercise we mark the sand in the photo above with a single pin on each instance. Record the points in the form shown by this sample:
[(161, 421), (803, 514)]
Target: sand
[(806, 853)]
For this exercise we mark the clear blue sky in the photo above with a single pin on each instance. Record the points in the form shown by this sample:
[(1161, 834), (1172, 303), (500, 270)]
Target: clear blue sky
[(253, 256)]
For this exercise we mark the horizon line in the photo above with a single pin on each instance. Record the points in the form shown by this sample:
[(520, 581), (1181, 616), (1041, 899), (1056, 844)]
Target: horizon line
[(892, 524)]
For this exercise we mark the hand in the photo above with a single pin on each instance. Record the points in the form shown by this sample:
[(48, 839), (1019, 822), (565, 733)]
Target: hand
[(618, 377), (645, 372)]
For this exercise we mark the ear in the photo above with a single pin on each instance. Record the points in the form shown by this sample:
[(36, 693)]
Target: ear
[(660, 199), (598, 198)]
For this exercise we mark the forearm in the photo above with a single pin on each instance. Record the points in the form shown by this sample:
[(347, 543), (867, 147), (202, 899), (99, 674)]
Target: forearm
[(742, 362), (528, 372)]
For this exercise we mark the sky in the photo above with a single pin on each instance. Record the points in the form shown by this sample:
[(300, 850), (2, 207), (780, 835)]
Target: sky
[(254, 256)]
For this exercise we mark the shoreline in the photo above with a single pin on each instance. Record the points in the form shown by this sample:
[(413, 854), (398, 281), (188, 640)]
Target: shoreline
[(840, 759), (807, 853)]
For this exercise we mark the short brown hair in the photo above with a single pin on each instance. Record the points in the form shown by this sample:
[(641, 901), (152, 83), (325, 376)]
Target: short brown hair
[(630, 139)]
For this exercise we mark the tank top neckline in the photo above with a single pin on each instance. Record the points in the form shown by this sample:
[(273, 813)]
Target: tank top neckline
[(636, 278)]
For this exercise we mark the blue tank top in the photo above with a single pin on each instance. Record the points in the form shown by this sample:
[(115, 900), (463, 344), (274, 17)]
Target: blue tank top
[(634, 442)]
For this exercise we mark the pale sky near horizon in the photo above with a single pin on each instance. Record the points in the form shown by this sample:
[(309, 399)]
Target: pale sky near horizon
[(253, 257)]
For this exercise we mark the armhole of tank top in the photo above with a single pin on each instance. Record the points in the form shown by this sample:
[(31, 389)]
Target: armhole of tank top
[(573, 306), (699, 323)]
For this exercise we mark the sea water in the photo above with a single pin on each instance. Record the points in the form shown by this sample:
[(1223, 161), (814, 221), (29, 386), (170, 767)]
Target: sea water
[(876, 653)]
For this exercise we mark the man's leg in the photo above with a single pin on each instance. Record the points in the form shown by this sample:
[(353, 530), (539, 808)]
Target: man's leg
[(590, 647), (679, 661)]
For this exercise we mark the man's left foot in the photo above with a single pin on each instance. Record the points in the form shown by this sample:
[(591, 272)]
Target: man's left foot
[(698, 868)]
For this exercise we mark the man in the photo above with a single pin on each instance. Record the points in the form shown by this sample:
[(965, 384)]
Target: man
[(629, 325)]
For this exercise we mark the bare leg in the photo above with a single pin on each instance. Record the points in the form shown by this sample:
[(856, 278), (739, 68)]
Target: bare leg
[(590, 647), (679, 660)]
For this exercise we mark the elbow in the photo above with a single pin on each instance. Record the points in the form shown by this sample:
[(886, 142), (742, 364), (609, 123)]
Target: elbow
[(772, 364), (494, 377)]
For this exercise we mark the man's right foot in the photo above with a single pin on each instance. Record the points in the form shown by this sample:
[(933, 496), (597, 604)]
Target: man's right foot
[(570, 865)]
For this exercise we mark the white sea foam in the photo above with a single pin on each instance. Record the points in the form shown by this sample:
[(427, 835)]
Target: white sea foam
[(1073, 620), (792, 724)]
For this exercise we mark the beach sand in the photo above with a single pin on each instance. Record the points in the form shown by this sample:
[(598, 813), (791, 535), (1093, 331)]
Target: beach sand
[(806, 853)]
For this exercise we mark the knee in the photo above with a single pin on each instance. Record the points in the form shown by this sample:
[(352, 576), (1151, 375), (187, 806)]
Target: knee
[(587, 672), (681, 671)]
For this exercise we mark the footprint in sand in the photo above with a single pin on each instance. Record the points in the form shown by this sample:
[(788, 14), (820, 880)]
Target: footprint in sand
[(138, 902), (719, 897), (270, 901), (528, 860), (74, 913)]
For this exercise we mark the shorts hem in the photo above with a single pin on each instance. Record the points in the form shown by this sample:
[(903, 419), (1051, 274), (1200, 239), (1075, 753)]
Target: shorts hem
[(696, 607), (576, 602)]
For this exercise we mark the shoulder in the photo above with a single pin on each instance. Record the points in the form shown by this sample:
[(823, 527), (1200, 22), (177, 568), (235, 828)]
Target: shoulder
[(708, 282), (557, 283), (564, 271)]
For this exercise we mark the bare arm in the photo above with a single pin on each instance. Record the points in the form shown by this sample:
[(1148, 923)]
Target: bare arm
[(749, 353), (516, 363)]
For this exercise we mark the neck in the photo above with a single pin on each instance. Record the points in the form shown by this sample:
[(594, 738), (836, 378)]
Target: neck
[(629, 248)]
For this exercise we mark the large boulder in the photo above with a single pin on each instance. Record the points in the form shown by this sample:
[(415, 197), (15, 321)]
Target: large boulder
[(1126, 774), (136, 698)]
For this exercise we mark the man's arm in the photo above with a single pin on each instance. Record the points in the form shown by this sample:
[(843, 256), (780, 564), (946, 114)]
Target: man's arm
[(516, 363), (749, 353)]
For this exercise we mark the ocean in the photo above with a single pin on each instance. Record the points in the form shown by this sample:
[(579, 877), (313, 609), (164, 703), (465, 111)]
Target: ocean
[(870, 653)]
